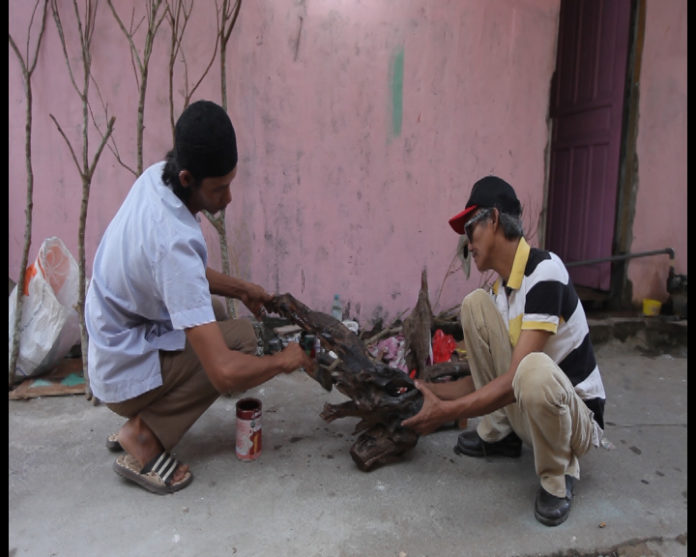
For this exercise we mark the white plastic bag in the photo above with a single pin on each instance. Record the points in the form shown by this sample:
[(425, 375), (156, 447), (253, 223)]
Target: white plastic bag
[(50, 324)]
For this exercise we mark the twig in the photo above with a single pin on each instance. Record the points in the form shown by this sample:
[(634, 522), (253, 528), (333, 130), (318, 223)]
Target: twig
[(84, 168), (450, 271), (27, 71), (141, 66), (225, 24), (227, 21), (383, 333)]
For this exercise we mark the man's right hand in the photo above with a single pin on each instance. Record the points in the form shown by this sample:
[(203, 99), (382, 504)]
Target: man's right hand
[(293, 357), (232, 370)]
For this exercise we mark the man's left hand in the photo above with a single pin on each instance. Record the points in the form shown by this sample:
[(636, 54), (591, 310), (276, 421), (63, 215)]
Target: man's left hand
[(254, 298)]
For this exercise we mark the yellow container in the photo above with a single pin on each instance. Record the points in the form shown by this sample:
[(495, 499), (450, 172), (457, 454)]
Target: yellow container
[(651, 307)]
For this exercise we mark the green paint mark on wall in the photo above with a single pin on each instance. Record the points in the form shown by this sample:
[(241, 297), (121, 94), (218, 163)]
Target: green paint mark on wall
[(397, 90)]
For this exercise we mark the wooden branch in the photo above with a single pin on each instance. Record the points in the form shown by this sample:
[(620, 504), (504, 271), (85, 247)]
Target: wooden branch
[(452, 311), (224, 34), (41, 33), (178, 29), (129, 36), (67, 141), (27, 71), (383, 333), (114, 151), (86, 168), (84, 40), (448, 272), (111, 144), (222, 38), (218, 222), (205, 72), (226, 268), (109, 130), (237, 7), (63, 42), (141, 73), (174, 46), (190, 93), (381, 396)]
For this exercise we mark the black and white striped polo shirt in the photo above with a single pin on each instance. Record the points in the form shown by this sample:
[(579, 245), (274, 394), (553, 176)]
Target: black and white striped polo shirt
[(539, 295)]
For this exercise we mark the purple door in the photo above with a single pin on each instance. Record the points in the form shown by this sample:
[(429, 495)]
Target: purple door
[(587, 110)]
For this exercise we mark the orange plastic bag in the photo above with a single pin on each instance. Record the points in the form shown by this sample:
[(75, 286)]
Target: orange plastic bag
[(443, 346), (50, 325)]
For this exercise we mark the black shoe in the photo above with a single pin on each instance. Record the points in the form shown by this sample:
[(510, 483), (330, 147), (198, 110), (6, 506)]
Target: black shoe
[(551, 510), (470, 444)]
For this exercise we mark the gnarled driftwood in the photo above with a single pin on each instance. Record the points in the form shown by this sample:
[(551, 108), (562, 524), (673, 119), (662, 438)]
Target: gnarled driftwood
[(380, 395)]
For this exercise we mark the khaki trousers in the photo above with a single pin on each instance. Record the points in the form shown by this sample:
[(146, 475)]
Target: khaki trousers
[(547, 414), (186, 392)]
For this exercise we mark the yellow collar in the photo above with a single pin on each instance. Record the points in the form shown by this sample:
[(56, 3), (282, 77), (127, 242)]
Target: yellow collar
[(519, 264)]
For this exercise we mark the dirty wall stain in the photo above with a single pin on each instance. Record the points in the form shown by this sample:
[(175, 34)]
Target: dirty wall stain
[(397, 90)]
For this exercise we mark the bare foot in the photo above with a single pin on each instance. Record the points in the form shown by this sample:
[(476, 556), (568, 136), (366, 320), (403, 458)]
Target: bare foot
[(137, 439)]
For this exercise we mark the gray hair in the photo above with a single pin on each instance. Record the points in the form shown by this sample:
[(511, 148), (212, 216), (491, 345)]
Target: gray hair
[(512, 225)]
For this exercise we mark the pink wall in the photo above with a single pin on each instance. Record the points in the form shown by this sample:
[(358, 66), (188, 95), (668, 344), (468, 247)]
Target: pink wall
[(346, 180), (661, 207)]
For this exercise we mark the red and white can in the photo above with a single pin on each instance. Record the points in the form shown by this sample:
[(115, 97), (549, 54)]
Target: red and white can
[(248, 433)]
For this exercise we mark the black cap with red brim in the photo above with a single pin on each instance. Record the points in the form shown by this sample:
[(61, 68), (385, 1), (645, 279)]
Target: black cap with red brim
[(490, 191)]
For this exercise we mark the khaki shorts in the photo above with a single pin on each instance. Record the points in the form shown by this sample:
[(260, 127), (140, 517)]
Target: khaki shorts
[(186, 392)]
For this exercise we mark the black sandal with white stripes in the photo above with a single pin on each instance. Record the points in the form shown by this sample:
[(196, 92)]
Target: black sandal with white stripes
[(156, 476)]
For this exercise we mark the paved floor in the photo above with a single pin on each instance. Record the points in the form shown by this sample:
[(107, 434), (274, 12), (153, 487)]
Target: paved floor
[(305, 497)]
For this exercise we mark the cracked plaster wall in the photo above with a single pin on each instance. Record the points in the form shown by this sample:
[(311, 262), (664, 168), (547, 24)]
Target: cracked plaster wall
[(361, 127)]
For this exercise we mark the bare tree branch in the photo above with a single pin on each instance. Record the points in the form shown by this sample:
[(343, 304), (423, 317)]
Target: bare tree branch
[(226, 22), (230, 14), (105, 138), (85, 27), (135, 58), (177, 31), (111, 144), (63, 42), (28, 65), (178, 16), (190, 93), (69, 144), (225, 25), (154, 20)]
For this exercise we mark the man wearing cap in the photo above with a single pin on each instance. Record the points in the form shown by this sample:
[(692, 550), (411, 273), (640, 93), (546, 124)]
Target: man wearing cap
[(535, 377), (157, 355)]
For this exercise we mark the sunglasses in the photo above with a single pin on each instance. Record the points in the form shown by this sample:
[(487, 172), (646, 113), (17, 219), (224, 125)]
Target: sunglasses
[(473, 221)]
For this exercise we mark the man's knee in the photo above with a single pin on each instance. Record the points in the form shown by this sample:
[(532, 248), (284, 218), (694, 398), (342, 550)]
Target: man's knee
[(474, 300), (219, 309), (239, 335), (534, 382), (472, 309)]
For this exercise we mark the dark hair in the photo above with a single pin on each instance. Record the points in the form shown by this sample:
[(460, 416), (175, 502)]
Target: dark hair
[(170, 176), (205, 144)]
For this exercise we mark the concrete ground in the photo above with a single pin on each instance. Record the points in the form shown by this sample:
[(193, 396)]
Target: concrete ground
[(305, 497)]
